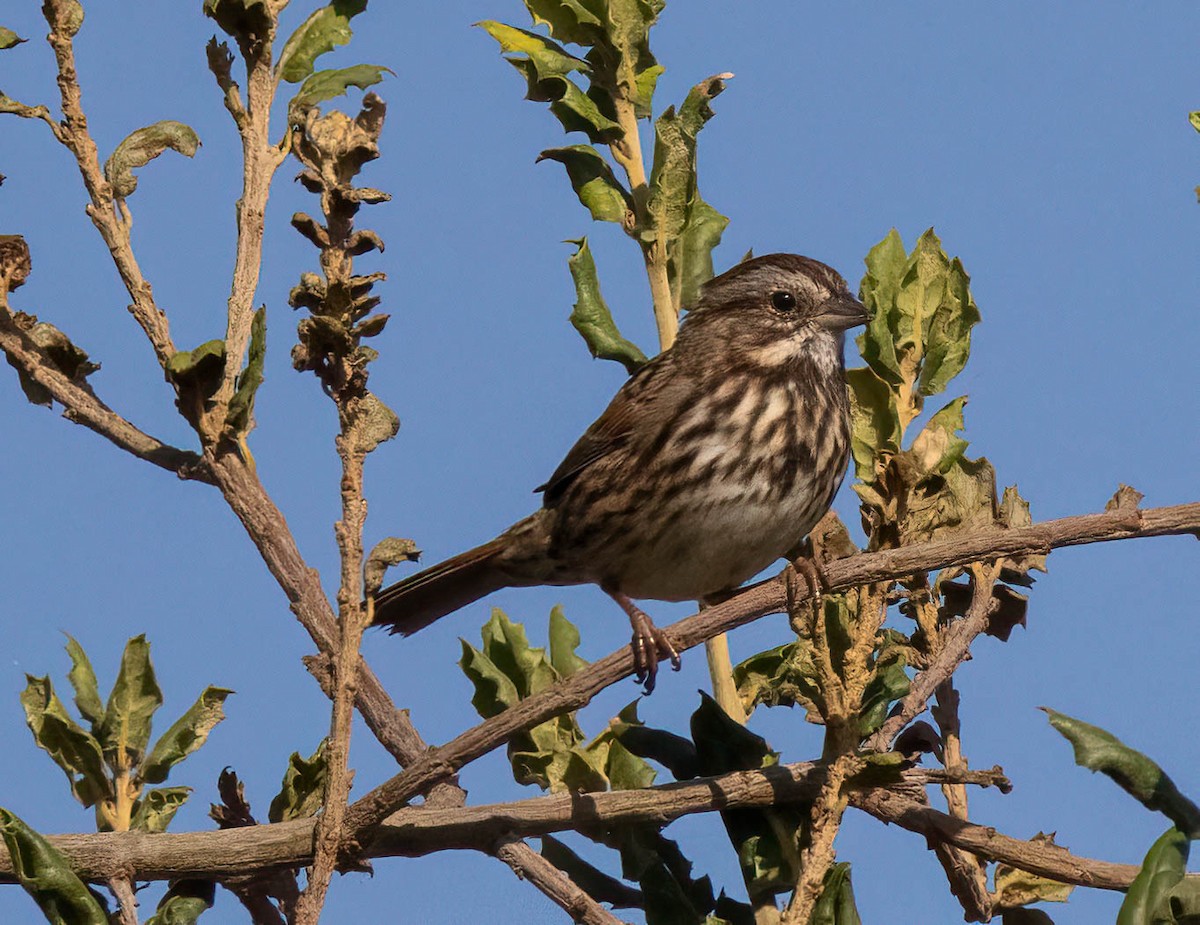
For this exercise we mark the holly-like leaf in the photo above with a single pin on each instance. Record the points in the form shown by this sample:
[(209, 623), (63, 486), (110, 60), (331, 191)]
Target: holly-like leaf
[(591, 316), (188, 733), (690, 263), (74, 750), (240, 419), (597, 884), (46, 876), (1015, 887), (564, 640), (303, 787), (83, 680), (184, 902), (766, 840), (783, 676), (327, 85), (593, 182), (324, 30), (134, 698), (387, 552), (1163, 868), (673, 177), (874, 423), (156, 808), (1099, 750), (141, 147), (569, 20), (836, 904)]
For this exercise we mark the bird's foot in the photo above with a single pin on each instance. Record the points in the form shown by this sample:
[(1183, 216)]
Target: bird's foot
[(805, 565), (650, 645)]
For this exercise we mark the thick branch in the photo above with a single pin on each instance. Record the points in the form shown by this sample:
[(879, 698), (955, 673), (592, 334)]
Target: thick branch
[(756, 601), (420, 830)]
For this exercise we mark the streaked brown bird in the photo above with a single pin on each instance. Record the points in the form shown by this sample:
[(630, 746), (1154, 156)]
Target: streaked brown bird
[(713, 460)]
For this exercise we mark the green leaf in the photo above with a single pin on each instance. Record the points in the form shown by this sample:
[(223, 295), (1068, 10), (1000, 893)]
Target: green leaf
[(1015, 887), (156, 808), (549, 59), (591, 316), (593, 182), (673, 177), (597, 884), (887, 264), (202, 366), (375, 422), (766, 840), (564, 640), (184, 902), (783, 676), (134, 698), (836, 904), (83, 680), (670, 893), (690, 263), (240, 419), (141, 147), (69, 359), (188, 734), (243, 19), (568, 20), (303, 787), (874, 423), (387, 552), (938, 447), (72, 749), (9, 39), (327, 85), (1132, 771), (627, 41), (46, 876), (1162, 870), (324, 30), (1194, 118), (888, 683)]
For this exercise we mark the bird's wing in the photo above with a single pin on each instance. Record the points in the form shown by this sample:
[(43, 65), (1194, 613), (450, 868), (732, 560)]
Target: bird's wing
[(611, 431)]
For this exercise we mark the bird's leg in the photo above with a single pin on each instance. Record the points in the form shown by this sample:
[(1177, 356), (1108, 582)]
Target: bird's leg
[(649, 642), (804, 564)]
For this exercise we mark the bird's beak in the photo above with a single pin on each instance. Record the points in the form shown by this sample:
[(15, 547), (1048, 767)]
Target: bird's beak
[(843, 312)]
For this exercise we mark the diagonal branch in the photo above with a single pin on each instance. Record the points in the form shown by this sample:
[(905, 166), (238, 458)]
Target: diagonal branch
[(769, 596), (83, 407)]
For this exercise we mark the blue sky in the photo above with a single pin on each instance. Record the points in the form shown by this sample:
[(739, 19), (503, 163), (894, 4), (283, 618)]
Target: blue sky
[(1049, 146)]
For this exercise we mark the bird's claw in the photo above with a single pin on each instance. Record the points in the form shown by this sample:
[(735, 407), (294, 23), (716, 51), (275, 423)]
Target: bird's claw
[(651, 645)]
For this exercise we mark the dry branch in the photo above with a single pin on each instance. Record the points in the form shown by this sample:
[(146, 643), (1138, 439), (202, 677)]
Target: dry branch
[(769, 596), (420, 830)]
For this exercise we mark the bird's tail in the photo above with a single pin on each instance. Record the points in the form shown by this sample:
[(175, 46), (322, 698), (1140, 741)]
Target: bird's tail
[(417, 601)]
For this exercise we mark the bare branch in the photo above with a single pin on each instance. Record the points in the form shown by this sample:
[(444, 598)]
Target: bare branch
[(529, 865), (769, 596), (256, 850), (83, 407), (1039, 858)]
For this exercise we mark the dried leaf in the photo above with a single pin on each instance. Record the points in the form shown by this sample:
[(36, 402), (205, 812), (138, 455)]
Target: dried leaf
[(303, 787), (141, 147), (389, 551)]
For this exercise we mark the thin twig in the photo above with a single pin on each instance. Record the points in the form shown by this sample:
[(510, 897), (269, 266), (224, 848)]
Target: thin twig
[(112, 222), (769, 596), (127, 904), (954, 647)]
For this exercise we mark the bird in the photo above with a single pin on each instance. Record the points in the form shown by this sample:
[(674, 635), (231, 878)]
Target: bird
[(713, 460)]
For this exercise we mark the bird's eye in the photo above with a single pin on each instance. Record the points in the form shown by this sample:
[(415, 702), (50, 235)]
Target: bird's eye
[(783, 301)]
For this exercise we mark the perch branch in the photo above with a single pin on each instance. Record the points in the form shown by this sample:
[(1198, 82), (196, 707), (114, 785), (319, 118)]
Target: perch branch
[(769, 596)]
